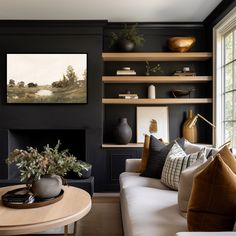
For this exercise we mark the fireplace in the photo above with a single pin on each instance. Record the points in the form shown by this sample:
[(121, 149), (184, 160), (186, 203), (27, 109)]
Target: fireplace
[(73, 140)]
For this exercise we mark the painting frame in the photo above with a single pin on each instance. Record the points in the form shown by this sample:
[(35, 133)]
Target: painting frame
[(75, 94), (146, 114)]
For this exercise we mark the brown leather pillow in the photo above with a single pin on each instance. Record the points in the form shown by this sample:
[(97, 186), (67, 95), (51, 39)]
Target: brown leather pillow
[(212, 204), (228, 158), (145, 154)]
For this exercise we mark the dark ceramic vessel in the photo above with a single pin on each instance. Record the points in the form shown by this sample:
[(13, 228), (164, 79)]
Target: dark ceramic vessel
[(122, 132), (125, 45)]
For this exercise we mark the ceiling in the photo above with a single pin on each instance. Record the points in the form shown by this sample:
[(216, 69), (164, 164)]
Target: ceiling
[(111, 10)]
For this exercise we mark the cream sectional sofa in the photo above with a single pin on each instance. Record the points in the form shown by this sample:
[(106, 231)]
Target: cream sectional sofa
[(151, 209)]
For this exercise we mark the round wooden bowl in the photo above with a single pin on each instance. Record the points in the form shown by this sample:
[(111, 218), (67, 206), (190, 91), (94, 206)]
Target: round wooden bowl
[(181, 44)]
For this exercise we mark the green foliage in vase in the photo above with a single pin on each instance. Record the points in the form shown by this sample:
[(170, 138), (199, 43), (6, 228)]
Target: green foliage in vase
[(34, 164), (127, 33)]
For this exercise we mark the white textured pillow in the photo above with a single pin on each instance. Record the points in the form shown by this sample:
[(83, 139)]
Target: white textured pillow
[(186, 182), (176, 161)]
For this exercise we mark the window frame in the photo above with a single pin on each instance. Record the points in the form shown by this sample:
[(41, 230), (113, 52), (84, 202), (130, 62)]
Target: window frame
[(227, 24)]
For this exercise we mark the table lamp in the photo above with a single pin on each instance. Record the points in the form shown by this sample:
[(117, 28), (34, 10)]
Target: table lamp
[(193, 122)]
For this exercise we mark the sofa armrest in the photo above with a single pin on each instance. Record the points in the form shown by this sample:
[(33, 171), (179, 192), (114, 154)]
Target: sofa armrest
[(206, 234), (132, 165)]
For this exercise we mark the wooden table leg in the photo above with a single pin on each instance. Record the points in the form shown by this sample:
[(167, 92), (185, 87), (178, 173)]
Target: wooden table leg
[(65, 230), (75, 229)]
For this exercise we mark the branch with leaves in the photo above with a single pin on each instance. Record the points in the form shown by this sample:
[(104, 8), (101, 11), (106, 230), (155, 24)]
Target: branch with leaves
[(34, 164)]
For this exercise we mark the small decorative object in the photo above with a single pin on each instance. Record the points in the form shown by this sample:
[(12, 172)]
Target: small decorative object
[(152, 120), (122, 132), (126, 71), (181, 44), (190, 132), (43, 170), (181, 92), (127, 39), (46, 78), (186, 69), (153, 69), (86, 173), (153, 126), (151, 91), (186, 72)]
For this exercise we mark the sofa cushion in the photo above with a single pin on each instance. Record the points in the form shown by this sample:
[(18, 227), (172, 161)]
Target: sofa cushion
[(228, 158), (145, 154), (191, 148), (149, 211), (130, 179), (212, 204), (186, 182), (177, 160), (157, 155)]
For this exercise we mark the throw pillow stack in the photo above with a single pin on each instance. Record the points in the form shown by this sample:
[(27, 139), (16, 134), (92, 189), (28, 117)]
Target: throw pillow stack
[(205, 180), (166, 162), (212, 204)]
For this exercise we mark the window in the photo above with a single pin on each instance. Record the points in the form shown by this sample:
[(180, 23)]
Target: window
[(225, 79)]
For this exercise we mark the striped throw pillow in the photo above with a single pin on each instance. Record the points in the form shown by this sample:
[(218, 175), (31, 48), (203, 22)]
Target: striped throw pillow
[(176, 161)]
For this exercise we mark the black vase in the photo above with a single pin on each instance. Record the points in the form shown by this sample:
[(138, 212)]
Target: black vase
[(125, 45), (122, 132)]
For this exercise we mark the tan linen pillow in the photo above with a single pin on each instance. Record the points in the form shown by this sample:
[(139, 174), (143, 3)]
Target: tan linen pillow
[(186, 182), (145, 154), (228, 157), (212, 203)]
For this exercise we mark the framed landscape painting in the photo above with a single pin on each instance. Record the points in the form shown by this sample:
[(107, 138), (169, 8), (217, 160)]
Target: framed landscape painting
[(47, 78), (152, 121)]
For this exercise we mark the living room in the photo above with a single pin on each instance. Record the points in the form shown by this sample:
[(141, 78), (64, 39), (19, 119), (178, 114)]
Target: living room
[(179, 68)]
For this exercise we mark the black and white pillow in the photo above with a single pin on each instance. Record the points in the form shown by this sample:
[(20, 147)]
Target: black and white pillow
[(176, 161)]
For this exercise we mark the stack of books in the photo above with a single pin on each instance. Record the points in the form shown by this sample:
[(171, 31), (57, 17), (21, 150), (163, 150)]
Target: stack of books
[(184, 73), (128, 95), (126, 71), (19, 196)]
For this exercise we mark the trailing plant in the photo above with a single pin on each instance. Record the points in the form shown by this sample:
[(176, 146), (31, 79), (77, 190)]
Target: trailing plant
[(128, 33), (34, 164)]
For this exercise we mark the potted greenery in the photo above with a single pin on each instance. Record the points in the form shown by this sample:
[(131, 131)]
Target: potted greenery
[(127, 38), (153, 69), (44, 170)]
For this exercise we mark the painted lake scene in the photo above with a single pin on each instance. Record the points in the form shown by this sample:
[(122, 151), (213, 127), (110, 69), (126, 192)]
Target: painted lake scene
[(46, 78)]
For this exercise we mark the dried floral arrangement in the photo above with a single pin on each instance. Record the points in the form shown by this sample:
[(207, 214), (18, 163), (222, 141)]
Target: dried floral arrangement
[(34, 164)]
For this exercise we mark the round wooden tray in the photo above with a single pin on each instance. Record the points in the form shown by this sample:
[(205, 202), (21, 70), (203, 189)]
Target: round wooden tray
[(38, 203)]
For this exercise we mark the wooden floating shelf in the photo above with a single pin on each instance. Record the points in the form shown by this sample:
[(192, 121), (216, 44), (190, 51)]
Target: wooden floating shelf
[(156, 101), (157, 56), (156, 79), (138, 145)]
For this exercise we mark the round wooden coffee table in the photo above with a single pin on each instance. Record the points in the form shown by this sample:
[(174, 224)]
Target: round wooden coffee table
[(74, 205)]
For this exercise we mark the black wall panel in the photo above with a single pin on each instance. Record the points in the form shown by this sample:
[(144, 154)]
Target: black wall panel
[(56, 37)]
